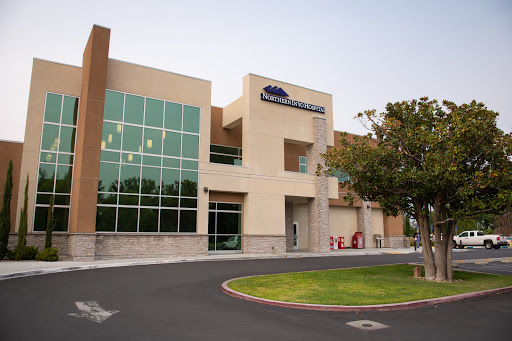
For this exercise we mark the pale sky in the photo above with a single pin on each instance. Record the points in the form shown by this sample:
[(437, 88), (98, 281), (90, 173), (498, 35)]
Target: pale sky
[(364, 53)]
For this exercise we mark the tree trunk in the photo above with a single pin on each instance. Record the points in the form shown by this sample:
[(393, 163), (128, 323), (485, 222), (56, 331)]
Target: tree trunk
[(428, 256), (441, 253)]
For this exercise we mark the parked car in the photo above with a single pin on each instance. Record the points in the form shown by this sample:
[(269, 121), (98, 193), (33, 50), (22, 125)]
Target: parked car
[(478, 238), (231, 243)]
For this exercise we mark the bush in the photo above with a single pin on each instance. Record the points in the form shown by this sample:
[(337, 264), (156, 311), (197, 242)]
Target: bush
[(48, 255), (27, 253)]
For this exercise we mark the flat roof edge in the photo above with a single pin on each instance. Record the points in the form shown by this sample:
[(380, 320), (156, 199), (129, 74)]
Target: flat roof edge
[(157, 69), (303, 87), (51, 61), (11, 141)]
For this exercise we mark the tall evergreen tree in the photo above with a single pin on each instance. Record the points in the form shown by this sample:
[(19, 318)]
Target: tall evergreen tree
[(49, 225), (22, 230), (5, 214)]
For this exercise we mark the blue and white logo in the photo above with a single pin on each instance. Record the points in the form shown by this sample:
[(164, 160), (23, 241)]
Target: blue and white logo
[(275, 91)]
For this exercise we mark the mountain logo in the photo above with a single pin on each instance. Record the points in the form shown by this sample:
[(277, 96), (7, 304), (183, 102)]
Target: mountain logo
[(275, 90)]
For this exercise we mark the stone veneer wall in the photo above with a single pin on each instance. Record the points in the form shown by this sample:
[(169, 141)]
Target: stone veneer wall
[(397, 242), (288, 210), (59, 241), (318, 214), (263, 244), (82, 246), (149, 246), (364, 224)]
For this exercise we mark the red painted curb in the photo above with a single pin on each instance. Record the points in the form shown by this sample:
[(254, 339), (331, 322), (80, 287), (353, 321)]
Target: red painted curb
[(378, 307)]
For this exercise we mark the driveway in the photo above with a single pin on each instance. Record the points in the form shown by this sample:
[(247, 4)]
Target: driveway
[(184, 302)]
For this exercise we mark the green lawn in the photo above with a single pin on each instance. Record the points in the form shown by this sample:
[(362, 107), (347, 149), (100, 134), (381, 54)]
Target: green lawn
[(362, 286)]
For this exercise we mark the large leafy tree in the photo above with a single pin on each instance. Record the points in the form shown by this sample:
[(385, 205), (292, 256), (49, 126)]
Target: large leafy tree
[(422, 155), (5, 213)]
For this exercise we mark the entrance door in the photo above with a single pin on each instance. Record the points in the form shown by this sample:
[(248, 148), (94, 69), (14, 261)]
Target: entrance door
[(295, 236)]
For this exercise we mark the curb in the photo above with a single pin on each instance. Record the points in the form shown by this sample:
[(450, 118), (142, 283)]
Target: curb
[(28, 273), (378, 307)]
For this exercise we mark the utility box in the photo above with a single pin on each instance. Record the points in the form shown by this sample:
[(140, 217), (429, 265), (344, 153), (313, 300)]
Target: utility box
[(357, 240)]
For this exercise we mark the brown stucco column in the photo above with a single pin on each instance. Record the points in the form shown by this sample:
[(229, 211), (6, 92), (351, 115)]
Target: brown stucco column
[(364, 223), (318, 215), (288, 211), (88, 141)]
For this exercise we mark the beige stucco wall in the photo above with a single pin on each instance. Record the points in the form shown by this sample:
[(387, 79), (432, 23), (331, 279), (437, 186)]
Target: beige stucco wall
[(265, 127), (343, 222), (46, 77)]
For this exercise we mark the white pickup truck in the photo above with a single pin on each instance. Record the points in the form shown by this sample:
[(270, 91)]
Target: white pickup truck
[(478, 238)]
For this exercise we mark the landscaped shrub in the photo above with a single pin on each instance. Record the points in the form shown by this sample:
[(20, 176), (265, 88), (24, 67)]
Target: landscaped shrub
[(48, 255), (27, 253)]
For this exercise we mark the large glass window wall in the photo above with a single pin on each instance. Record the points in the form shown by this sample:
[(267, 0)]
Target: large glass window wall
[(224, 226), (56, 159), (149, 165)]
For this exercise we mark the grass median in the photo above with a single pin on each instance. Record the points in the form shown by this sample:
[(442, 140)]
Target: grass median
[(362, 286)]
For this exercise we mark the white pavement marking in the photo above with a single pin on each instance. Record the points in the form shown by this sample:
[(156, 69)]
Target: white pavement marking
[(92, 311), (367, 325)]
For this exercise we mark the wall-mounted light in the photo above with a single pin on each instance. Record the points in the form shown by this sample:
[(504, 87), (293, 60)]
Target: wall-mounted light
[(368, 206), (205, 189)]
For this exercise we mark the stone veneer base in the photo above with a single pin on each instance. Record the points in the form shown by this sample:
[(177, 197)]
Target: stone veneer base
[(263, 244)]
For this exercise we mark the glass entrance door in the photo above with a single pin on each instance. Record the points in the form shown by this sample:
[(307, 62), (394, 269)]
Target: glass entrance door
[(295, 236)]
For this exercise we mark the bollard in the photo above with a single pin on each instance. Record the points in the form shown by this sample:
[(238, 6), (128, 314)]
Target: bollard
[(417, 272)]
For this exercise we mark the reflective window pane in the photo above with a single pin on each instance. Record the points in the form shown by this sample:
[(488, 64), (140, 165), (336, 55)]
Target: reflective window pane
[(106, 219), (52, 108), (40, 218), (127, 219), (148, 220), (67, 139), (43, 198), (224, 159), (228, 242), (191, 119), (168, 221), (188, 183), (188, 203), (129, 200), (131, 158), (151, 160), (170, 181), (229, 223), (61, 216), (211, 222), (169, 202), (113, 106), (46, 178), (229, 207), (211, 243), (111, 136), (109, 156), (150, 180), (132, 139), (172, 143), (63, 181), (190, 146), (48, 157), (171, 163), (188, 220), (50, 139), (66, 159), (134, 109), (149, 201), (63, 200), (152, 141), (108, 177), (154, 113), (70, 110), (172, 116), (129, 180), (188, 164), (107, 198), (224, 150)]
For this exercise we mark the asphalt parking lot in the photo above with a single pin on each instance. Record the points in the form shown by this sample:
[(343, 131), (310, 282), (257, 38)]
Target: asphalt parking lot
[(497, 268)]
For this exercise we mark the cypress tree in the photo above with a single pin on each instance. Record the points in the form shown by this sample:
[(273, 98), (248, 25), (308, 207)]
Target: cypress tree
[(22, 230), (5, 214), (49, 225)]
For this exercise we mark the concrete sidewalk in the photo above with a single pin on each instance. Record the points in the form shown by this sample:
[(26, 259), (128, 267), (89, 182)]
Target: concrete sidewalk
[(13, 269)]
